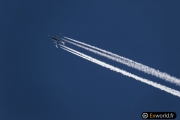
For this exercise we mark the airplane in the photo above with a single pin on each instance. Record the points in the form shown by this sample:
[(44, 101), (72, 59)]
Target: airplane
[(55, 39)]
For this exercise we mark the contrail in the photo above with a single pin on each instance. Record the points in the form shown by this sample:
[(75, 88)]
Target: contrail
[(154, 84), (126, 61)]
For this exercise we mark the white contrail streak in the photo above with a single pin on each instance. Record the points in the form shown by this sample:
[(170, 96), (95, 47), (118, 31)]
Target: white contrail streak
[(127, 62), (154, 84)]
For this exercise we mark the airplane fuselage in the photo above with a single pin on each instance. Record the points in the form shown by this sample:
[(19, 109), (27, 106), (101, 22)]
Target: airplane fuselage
[(53, 38)]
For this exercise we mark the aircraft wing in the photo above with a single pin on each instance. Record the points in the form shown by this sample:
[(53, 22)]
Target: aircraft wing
[(57, 36), (55, 43), (56, 46)]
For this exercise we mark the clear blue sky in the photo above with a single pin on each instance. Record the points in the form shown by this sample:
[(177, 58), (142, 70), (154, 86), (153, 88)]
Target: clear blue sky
[(40, 82)]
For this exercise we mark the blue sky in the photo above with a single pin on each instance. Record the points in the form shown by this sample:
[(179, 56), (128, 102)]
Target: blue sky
[(38, 81)]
